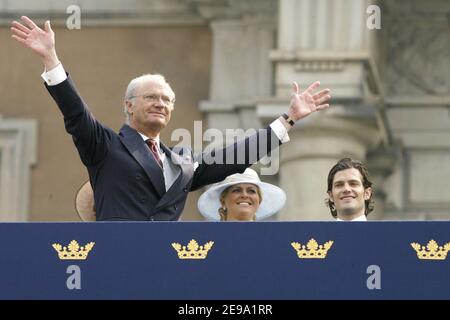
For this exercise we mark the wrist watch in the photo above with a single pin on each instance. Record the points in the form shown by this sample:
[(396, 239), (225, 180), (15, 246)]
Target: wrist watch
[(288, 119)]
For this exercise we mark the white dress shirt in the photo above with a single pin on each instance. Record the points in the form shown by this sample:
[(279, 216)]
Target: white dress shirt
[(360, 218)]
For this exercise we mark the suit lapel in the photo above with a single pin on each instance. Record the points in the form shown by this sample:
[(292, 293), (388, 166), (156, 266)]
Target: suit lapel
[(140, 152), (184, 162)]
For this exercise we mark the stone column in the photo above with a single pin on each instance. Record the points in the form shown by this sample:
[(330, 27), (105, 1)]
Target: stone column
[(326, 40), (243, 35), (381, 163), (18, 152)]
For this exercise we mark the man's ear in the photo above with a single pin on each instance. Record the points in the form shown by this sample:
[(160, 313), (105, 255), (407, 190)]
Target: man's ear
[(330, 196), (129, 106), (367, 193)]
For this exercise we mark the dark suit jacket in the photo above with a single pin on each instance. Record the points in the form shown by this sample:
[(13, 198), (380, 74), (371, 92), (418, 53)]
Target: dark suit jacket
[(127, 182)]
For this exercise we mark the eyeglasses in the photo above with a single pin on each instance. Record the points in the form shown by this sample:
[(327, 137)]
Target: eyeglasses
[(155, 97)]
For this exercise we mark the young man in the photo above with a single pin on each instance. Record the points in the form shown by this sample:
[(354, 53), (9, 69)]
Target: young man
[(349, 191)]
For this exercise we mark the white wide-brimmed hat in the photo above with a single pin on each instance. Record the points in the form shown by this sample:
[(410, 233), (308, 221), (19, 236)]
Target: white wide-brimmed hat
[(273, 198), (84, 202)]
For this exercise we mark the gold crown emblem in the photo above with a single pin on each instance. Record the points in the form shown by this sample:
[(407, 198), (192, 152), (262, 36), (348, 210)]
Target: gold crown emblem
[(312, 250), (432, 251), (73, 251), (194, 251)]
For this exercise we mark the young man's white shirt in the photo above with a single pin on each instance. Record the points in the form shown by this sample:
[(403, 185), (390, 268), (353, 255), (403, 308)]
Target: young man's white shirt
[(360, 218)]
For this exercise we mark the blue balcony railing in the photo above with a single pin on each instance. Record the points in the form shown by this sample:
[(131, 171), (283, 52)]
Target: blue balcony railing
[(260, 260)]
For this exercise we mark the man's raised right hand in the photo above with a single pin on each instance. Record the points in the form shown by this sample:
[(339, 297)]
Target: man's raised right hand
[(42, 42)]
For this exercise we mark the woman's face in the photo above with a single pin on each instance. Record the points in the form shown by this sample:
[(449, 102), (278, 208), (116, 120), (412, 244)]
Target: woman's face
[(241, 201)]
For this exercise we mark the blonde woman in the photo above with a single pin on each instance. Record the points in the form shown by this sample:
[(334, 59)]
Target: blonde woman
[(241, 197)]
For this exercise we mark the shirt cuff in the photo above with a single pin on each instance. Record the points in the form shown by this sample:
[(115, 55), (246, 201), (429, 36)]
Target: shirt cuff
[(280, 130), (54, 76)]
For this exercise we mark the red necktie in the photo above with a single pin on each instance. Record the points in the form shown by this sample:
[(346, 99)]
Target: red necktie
[(154, 149)]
